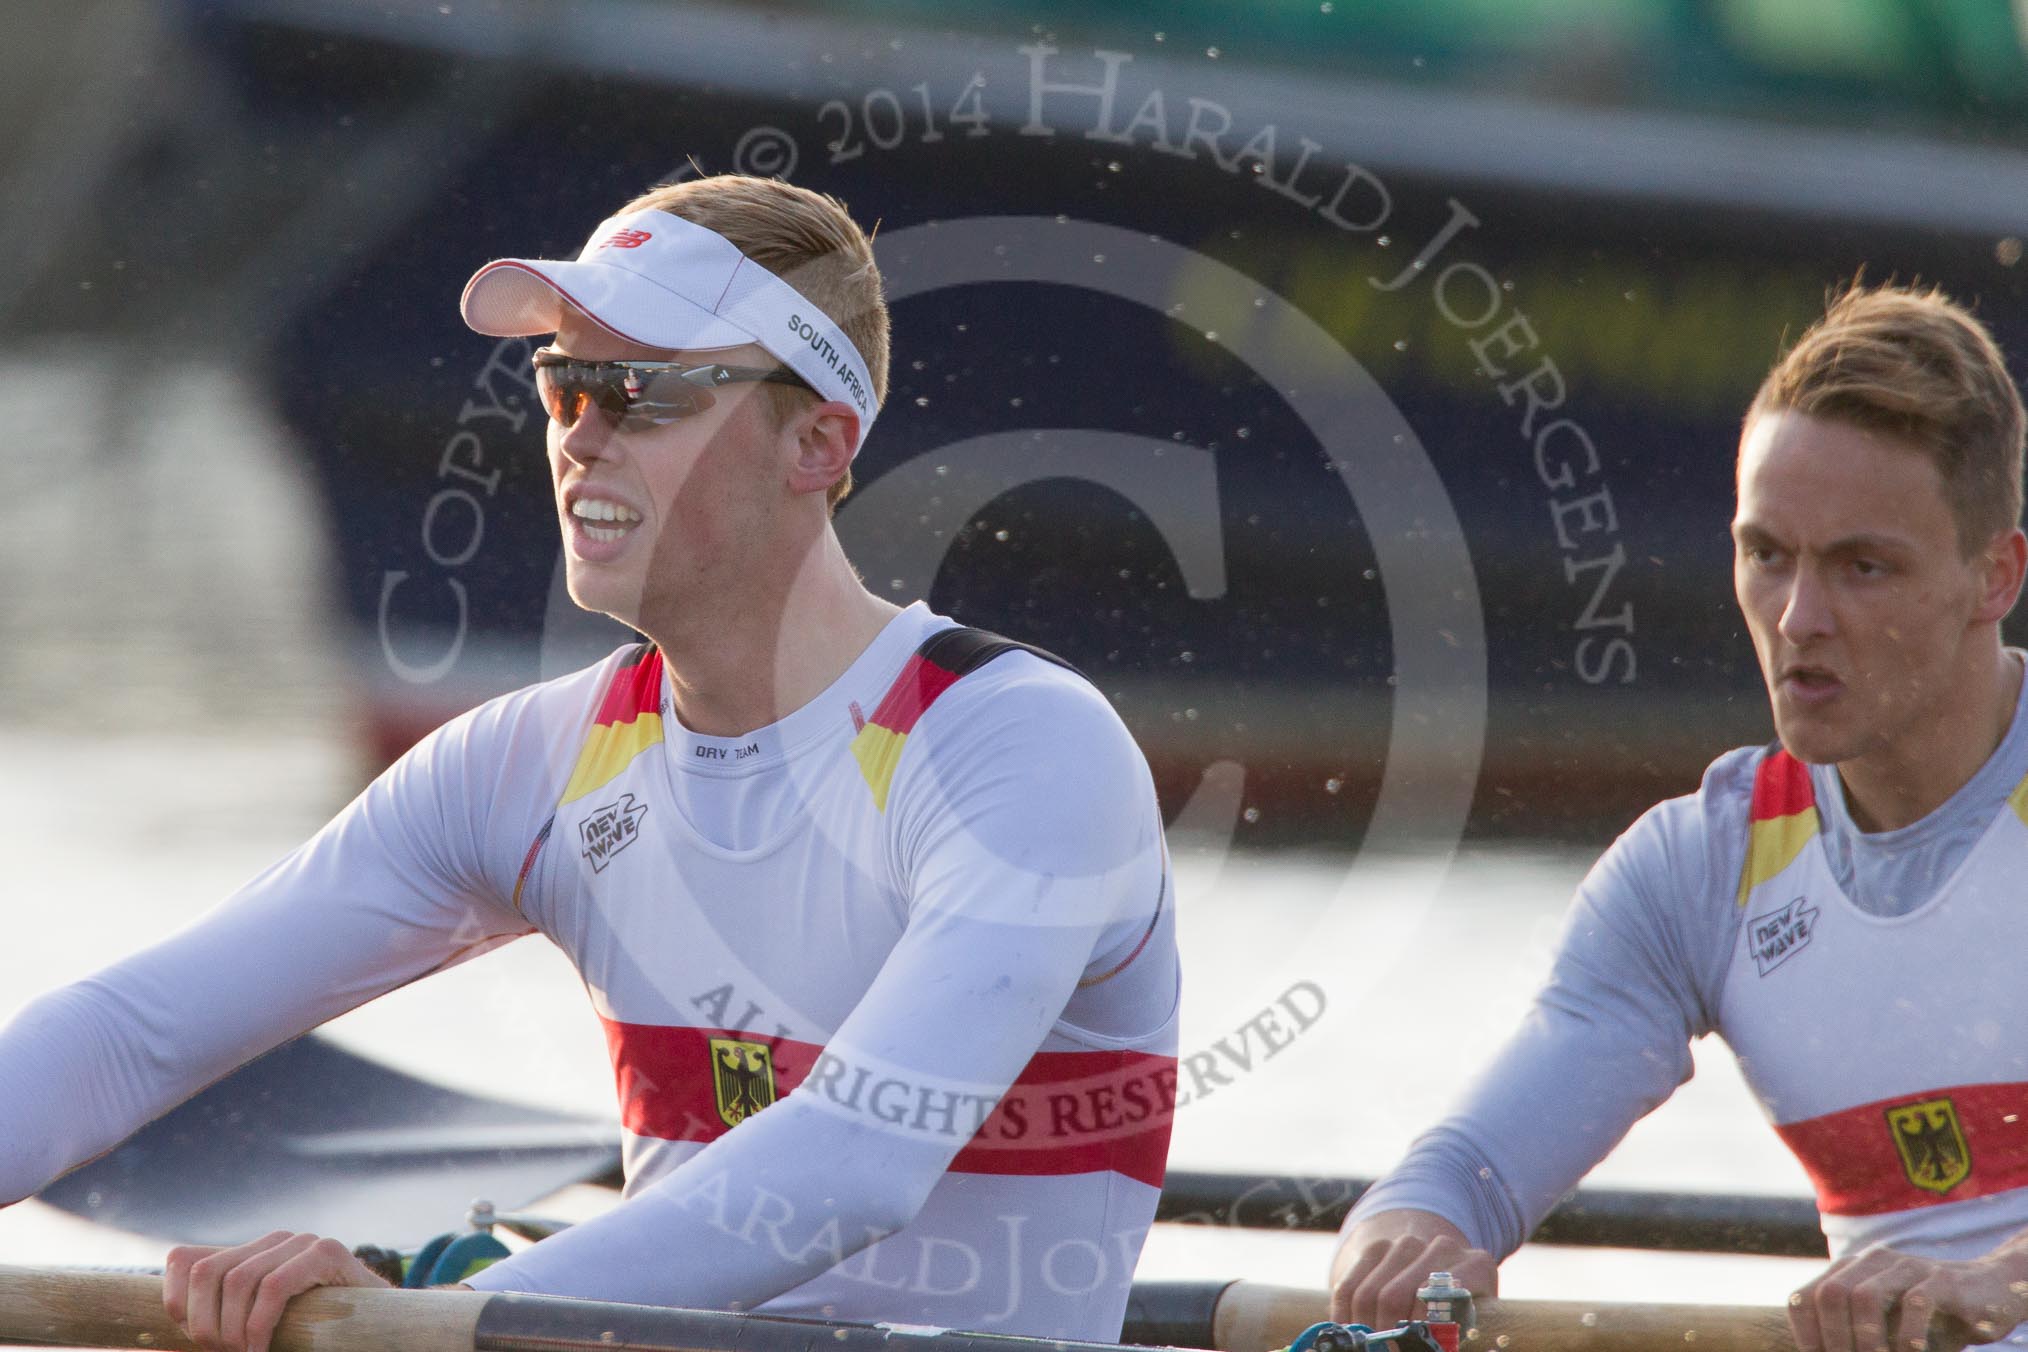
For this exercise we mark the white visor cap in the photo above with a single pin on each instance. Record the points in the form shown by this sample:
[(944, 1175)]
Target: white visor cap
[(661, 281)]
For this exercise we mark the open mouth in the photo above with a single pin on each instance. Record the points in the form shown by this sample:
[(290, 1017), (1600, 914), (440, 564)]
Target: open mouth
[(1810, 681), (602, 520)]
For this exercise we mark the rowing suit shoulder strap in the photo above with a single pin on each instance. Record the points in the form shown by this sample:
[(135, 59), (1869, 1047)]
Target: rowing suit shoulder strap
[(1781, 819), (963, 650), (942, 659), (935, 667)]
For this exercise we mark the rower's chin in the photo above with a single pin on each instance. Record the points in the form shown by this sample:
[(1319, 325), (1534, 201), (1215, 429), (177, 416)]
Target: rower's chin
[(608, 586), (1814, 735)]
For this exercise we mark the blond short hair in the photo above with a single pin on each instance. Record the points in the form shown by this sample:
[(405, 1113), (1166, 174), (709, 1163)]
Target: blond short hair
[(1914, 364), (809, 241)]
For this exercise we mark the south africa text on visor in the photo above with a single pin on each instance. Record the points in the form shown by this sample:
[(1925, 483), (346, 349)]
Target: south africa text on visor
[(661, 281)]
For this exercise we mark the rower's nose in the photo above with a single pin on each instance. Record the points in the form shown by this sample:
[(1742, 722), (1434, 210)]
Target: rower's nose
[(592, 437)]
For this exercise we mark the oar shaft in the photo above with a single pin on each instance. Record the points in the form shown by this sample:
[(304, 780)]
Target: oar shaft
[(1620, 1218), (517, 1323)]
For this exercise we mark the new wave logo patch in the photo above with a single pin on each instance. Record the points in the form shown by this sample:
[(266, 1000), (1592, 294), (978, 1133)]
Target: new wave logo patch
[(610, 829), (1776, 936)]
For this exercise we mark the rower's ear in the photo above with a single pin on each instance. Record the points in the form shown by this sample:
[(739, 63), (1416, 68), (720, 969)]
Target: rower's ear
[(2002, 566), (824, 437)]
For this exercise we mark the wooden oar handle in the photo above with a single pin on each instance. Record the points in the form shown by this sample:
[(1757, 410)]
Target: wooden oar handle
[(121, 1309), (1253, 1317)]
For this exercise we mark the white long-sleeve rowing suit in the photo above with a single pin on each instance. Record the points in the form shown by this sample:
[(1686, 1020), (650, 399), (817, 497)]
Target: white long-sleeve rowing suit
[(1871, 985), (890, 985)]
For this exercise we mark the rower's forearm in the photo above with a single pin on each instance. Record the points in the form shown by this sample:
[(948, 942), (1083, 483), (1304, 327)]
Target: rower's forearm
[(68, 1075), (1447, 1178), (84, 1066), (761, 1211)]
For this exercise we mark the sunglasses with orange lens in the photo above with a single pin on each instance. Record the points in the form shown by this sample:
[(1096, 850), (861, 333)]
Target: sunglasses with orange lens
[(637, 394)]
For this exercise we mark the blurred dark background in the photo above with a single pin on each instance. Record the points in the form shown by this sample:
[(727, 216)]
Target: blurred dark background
[(292, 192)]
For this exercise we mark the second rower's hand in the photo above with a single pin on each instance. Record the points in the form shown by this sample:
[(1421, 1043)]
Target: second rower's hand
[(1382, 1260)]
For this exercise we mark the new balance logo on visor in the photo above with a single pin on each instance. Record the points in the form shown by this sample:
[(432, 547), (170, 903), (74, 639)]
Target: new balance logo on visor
[(626, 239)]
